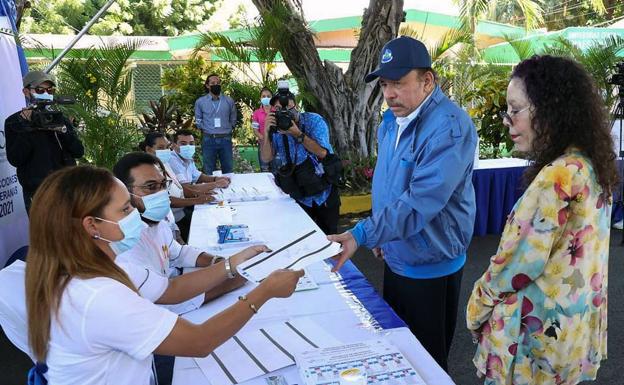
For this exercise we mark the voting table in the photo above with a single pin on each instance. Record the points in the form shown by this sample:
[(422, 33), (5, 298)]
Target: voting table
[(343, 304), (498, 185)]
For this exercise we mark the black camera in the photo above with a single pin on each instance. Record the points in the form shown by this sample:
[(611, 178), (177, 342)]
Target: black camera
[(283, 117), (618, 78), (46, 119)]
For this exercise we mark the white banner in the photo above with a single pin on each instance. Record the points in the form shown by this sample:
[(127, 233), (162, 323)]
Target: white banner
[(13, 219), (618, 141)]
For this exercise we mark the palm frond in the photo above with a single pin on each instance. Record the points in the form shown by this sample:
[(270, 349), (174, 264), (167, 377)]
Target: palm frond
[(598, 6), (533, 13), (450, 39), (408, 30)]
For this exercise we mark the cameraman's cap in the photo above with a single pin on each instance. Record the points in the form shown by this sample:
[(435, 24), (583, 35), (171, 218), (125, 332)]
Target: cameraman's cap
[(36, 78), (398, 57)]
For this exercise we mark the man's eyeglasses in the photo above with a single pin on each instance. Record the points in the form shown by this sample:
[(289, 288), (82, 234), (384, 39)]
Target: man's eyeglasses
[(155, 186), (40, 90), (509, 115)]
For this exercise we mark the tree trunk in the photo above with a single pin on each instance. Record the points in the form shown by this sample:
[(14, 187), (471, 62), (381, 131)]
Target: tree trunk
[(20, 5), (350, 106)]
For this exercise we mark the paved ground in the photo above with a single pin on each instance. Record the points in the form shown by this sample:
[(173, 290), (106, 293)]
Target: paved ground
[(14, 364), (481, 249)]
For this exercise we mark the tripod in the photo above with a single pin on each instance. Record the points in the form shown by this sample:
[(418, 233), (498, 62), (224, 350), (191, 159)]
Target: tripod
[(618, 115)]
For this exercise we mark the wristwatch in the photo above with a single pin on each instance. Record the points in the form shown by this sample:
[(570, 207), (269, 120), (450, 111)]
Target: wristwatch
[(300, 138), (228, 268)]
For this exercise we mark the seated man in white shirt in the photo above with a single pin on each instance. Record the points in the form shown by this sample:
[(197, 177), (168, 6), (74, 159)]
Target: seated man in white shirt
[(157, 250), (183, 165)]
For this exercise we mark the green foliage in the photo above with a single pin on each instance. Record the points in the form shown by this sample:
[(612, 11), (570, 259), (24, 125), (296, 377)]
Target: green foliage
[(599, 60), (487, 98), (164, 117), (241, 165), (255, 51), (185, 83), (125, 17), (101, 81), (358, 174)]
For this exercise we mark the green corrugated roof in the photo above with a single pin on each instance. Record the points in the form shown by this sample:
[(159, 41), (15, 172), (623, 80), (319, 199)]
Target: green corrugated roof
[(338, 55), (582, 37), (489, 28), (138, 55)]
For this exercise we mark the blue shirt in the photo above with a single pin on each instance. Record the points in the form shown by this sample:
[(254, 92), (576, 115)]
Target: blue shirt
[(222, 108), (423, 198), (315, 127)]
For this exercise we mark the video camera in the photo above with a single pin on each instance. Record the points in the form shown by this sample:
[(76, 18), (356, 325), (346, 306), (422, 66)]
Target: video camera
[(618, 78), (45, 119), (283, 117)]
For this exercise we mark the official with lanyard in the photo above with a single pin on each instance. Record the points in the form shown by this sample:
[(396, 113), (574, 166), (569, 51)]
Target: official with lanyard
[(215, 115)]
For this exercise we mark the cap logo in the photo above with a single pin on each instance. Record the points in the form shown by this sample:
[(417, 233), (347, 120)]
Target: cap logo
[(387, 56)]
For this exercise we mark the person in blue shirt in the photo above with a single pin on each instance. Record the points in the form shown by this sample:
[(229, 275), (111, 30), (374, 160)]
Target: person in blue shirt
[(308, 141), (215, 115), (423, 198)]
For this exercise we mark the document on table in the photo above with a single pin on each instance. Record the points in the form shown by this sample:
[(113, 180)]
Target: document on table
[(254, 187), (255, 353), (381, 361), (306, 248)]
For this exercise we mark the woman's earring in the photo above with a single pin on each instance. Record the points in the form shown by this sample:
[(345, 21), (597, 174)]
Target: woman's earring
[(95, 236)]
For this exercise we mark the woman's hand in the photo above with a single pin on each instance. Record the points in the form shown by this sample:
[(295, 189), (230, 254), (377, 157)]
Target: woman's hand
[(246, 254), (281, 283)]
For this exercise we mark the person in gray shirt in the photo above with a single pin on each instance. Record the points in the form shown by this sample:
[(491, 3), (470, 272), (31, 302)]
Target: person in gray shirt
[(215, 115)]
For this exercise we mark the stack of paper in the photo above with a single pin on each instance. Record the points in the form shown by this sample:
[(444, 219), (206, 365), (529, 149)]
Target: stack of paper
[(255, 353), (306, 248)]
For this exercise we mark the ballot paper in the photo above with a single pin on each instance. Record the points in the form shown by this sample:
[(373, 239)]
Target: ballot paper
[(254, 187), (381, 361), (306, 282), (305, 249), (254, 353)]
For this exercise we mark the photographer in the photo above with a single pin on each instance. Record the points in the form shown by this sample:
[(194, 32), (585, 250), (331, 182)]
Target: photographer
[(299, 143), (38, 140)]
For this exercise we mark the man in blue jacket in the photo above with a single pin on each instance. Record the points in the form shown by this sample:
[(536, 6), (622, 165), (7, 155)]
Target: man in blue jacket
[(423, 198)]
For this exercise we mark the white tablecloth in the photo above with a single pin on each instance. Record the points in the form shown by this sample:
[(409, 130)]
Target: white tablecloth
[(275, 221), (500, 163)]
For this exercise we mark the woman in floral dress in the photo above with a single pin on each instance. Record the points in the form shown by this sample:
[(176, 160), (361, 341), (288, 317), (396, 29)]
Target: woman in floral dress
[(539, 313)]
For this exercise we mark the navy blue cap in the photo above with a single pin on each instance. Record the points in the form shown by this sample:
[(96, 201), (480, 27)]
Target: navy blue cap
[(398, 57)]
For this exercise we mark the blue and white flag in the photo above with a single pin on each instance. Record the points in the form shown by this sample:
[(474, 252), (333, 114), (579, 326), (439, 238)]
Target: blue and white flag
[(13, 218)]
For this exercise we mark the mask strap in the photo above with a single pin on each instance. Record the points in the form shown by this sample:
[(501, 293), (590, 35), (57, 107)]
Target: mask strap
[(106, 220)]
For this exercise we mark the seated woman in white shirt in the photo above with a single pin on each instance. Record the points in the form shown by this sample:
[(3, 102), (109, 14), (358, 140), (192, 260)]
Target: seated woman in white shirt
[(86, 319)]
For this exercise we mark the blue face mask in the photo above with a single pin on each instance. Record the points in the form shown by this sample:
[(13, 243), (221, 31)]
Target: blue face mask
[(187, 151), (43, 96), (157, 205), (265, 101), (131, 226), (164, 155)]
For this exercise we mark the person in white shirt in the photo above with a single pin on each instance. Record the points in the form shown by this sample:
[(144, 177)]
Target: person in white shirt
[(181, 196), (86, 320), (192, 180), (157, 250)]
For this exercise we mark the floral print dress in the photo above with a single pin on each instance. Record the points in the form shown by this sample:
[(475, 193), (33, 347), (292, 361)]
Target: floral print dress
[(541, 307)]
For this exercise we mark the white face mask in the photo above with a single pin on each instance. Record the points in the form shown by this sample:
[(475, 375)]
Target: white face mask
[(131, 226), (43, 96)]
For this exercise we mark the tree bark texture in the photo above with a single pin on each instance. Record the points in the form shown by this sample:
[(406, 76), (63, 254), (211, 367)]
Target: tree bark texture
[(350, 106)]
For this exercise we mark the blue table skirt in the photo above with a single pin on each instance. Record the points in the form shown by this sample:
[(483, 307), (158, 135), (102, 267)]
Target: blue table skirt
[(498, 189), (496, 192), (354, 285)]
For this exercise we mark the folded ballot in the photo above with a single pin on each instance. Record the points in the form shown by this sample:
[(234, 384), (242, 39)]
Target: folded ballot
[(305, 249)]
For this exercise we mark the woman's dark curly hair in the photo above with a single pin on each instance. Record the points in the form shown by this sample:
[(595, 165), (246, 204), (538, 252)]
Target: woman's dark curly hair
[(567, 111)]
